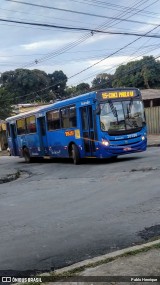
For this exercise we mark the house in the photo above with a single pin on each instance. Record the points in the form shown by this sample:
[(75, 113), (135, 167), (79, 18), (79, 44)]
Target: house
[(151, 97), (3, 138)]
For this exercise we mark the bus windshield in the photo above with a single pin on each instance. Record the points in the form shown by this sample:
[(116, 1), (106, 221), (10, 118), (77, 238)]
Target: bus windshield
[(121, 115)]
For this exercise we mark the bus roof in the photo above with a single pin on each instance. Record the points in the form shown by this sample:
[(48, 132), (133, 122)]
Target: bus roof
[(54, 105), (68, 101)]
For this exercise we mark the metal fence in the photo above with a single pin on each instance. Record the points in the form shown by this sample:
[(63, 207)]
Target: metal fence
[(153, 120)]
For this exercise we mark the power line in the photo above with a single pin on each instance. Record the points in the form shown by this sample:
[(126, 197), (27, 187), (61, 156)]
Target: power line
[(66, 48), (39, 15), (82, 39), (81, 13), (116, 7), (94, 64), (82, 29), (139, 10), (43, 89)]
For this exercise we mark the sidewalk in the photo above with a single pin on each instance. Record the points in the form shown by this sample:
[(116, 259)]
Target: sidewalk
[(153, 140), (7, 173), (4, 153), (142, 261)]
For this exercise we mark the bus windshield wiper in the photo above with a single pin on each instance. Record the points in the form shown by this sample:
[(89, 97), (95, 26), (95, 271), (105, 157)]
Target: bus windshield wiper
[(131, 122), (114, 110), (129, 107)]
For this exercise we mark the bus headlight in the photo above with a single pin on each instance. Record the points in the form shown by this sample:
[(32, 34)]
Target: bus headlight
[(105, 142), (143, 138)]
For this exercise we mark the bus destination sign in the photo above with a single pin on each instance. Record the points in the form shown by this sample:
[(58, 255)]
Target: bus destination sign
[(117, 94)]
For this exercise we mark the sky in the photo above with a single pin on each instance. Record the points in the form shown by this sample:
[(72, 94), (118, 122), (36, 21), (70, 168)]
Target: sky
[(50, 49)]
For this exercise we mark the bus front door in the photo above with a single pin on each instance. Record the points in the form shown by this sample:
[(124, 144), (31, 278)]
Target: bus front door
[(42, 136), (14, 148), (88, 131)]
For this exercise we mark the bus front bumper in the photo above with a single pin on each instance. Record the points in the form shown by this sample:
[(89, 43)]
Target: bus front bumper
[(117, 150)]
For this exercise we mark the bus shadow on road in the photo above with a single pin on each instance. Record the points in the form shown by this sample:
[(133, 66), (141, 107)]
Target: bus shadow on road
[(87, 161), (109, 160)]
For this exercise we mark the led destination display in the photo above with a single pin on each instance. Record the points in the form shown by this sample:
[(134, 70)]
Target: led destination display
[(117, 94)]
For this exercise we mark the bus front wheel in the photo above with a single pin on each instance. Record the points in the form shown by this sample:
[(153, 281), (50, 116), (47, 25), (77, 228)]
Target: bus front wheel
[(75, 154), (26, 155)]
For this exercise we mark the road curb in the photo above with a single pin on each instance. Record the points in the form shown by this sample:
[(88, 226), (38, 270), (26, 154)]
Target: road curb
[(113, 255)]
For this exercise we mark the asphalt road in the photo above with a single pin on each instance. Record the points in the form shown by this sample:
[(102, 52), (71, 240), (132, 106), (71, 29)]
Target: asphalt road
[(58, 213)]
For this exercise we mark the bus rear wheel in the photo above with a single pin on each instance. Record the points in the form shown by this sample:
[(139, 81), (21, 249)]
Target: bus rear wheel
[(26, 155), (75, 154)]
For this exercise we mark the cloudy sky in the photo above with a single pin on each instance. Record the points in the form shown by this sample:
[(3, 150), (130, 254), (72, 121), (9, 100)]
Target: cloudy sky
[(50, 49)]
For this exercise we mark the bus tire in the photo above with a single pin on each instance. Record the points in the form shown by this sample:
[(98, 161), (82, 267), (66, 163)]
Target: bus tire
[(26, 155), (75, 154)]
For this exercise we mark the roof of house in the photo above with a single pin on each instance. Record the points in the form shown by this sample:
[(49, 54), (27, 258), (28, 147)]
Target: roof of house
[(148, 94)]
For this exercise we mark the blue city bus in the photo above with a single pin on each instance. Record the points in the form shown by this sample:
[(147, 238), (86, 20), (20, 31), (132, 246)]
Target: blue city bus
[(101, 124)]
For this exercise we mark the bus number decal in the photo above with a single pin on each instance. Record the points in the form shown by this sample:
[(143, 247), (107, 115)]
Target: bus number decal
[(69, 133), (77, 134)]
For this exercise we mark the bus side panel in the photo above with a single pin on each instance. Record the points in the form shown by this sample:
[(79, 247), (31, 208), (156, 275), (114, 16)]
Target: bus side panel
[(30, 141), (13, 148), (58, 142), (12, 140)]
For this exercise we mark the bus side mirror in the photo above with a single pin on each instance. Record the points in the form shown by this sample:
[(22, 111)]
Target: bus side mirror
[(98, 110)]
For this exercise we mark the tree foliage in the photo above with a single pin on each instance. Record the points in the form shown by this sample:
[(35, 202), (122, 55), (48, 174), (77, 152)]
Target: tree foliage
[(25, 85), (142, 73), (77, 90), (102, 80), (5, 104), (58, 82)]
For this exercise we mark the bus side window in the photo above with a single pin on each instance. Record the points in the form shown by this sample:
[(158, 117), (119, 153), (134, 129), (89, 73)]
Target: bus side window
[(72, 117), (84, 118), (21, 127), (31, 124), (65, 118), (53, 120)]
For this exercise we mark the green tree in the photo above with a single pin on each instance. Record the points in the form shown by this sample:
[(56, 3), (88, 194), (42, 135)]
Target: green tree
[(5, 104), (21, 83), (142, 73), (33, 85), (82, 88), (58, 82), (102, 80), (70, 91)]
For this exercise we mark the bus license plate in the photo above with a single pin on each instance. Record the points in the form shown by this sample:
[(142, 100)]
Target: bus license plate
[(127, 149)]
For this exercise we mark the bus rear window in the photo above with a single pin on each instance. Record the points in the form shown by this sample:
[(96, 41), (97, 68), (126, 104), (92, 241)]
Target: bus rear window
[(21, 127), (31, 125), (53, 120)]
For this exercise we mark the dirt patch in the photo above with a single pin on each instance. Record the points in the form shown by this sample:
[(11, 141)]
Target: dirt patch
[(150, 233), (145, 169), (14, 176)]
